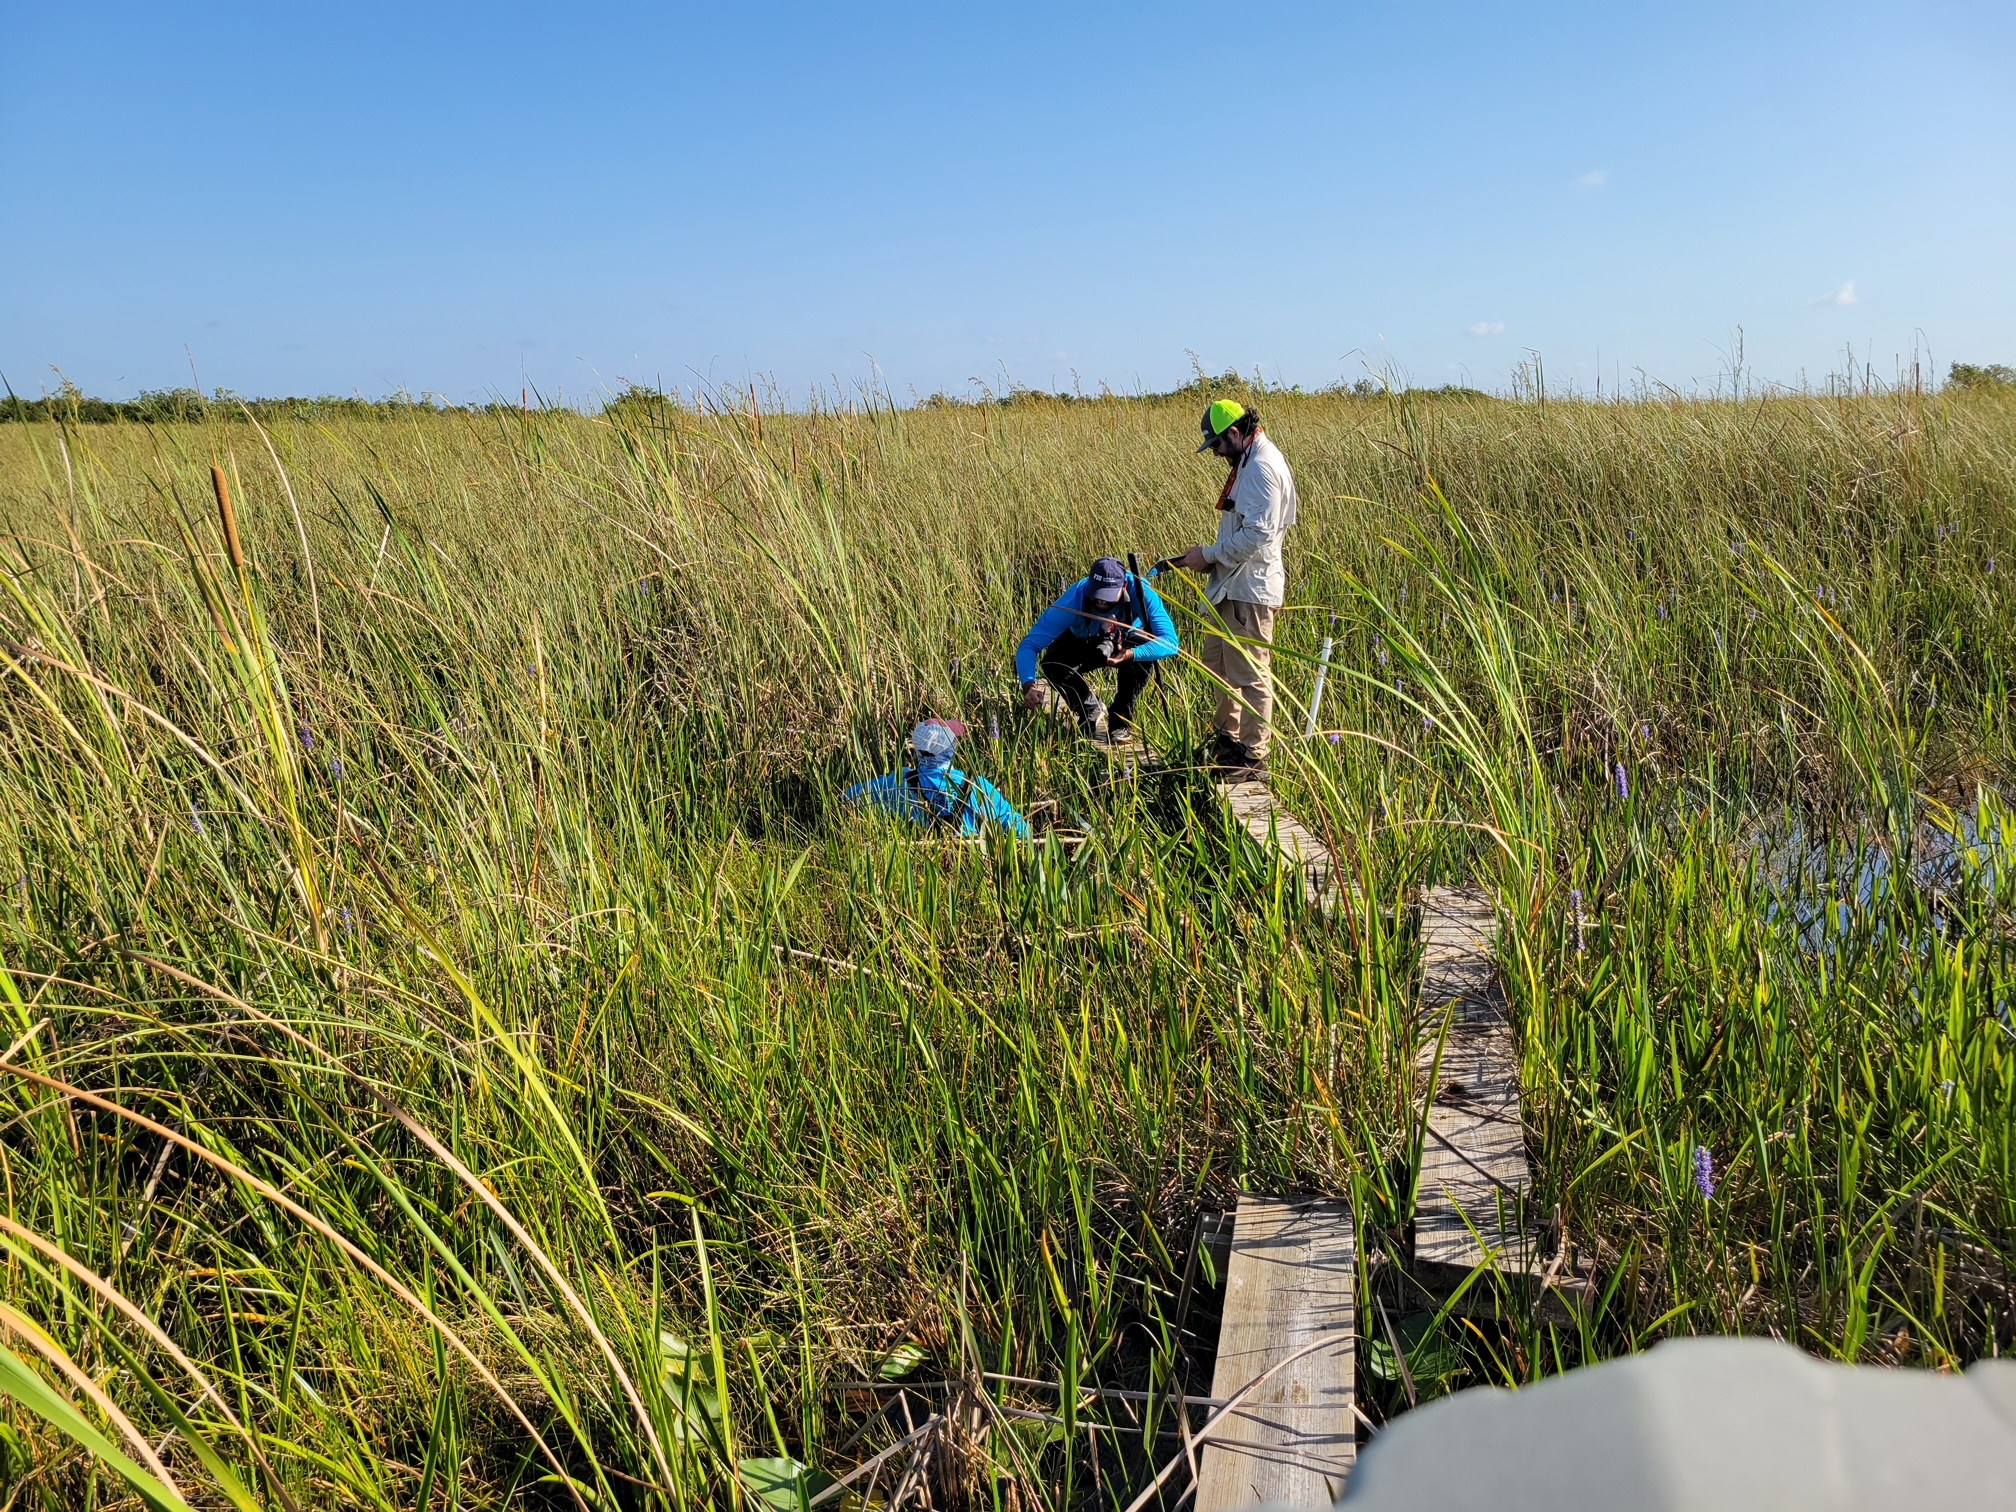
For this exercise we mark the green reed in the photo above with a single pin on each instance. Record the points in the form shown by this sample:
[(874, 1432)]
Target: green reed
[(463, 1053)]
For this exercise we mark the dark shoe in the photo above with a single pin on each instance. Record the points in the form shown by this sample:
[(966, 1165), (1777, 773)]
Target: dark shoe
[(1230, 757), (1238, 763)]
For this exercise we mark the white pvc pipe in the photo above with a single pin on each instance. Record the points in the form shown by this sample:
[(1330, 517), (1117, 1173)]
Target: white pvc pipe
[(1316, 697)]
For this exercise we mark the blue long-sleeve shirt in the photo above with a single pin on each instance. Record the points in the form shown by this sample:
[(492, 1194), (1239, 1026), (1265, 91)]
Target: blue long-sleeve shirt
[(925, 795), (1071, 615)]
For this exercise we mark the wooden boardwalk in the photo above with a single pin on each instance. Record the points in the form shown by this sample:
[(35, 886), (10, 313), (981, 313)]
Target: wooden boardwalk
[(1292, 1280), (1292, 1275), (1130, 758), (1473, 1162), (1253, 808)]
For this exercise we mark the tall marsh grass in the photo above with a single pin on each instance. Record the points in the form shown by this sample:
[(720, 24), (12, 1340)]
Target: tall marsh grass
[(457, 1051)]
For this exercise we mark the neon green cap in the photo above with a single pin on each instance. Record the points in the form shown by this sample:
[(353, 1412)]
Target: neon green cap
[(1220, 418)]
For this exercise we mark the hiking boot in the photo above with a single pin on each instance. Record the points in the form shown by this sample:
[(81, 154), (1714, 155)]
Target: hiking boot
[(1089, 717), (1241, 764)]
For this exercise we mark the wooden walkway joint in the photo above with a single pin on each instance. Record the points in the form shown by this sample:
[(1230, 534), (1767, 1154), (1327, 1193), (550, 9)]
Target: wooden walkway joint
[(1291, 1279), (1130, 755), (1292, 1282), (1474, 1174), (1272, 827)]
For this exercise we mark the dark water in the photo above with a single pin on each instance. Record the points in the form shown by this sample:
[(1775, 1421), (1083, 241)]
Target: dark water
[(1842, 892)]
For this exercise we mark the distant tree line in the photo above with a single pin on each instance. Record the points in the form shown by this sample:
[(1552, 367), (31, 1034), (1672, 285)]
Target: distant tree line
[(72, 406), (1967, 375), (1230, 384)]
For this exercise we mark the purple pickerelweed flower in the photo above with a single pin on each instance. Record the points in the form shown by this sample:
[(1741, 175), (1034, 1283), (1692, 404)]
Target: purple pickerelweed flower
[(1575, 905), (336, 767), (1379, 650), (993, 728), (307, 737), (1704, 1172), (1991, 564), (1623, 784), (1644, 732), (1427, 721)]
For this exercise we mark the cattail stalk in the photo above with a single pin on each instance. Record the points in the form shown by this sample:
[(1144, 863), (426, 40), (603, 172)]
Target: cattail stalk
[(229, 517)]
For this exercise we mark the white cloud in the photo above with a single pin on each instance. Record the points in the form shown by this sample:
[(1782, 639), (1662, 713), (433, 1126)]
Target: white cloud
[(1485, 328), (1595, 178), (1845, 295)]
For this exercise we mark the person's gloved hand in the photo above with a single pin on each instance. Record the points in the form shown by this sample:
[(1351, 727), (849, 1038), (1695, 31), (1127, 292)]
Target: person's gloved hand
[(1032, 695)]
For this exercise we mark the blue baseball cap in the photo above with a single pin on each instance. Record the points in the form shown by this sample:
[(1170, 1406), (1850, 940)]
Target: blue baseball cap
[(1106, 581)]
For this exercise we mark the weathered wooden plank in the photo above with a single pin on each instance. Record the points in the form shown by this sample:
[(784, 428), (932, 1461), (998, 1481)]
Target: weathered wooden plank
[(1473, 1162), (1131, 756), (1254, 809), (1292, 1280)]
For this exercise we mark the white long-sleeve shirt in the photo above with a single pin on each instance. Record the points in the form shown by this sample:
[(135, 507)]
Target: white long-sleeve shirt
[(1246, 558)]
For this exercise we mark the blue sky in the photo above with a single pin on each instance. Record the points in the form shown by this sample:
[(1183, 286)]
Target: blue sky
[(463, 199)]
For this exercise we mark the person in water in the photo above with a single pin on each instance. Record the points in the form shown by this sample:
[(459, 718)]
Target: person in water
[(934, 794)]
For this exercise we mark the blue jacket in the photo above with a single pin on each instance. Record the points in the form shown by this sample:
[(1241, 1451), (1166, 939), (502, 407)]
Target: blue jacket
[(1069, 616), (924, 795)]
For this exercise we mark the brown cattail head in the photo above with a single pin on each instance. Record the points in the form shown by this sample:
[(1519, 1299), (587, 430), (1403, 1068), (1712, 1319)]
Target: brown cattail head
[(230, 519)]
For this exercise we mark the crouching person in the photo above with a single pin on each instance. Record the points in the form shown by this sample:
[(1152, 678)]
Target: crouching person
[(934, 794), (1108, 618)]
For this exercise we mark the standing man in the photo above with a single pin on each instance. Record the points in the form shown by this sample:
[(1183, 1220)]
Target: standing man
[(1248, 583)]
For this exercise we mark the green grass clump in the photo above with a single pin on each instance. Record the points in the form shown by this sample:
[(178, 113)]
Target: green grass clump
[(460, 1052)]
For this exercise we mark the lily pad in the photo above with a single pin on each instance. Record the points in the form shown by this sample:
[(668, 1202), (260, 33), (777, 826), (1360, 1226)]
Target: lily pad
[(1432, 1356), (903, 1360), (782, 1482)]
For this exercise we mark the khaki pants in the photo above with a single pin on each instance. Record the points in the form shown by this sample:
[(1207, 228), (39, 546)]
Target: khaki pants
[(1246, 701)]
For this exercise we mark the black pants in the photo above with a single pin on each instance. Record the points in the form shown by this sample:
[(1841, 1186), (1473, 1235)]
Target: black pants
[(1067, 661)]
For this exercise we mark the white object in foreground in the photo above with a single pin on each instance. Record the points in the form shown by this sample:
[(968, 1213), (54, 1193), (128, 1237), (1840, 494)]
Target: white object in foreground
[(1705, 1425)]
